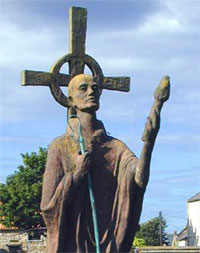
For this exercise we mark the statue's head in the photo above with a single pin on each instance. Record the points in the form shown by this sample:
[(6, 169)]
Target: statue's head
[(84, 93)]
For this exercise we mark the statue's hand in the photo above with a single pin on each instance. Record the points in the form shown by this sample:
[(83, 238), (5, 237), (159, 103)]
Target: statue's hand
[(162, 91), (161, 95), (83, 164)]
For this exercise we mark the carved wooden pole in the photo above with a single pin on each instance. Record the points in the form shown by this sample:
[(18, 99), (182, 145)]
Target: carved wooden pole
[(151, 130)]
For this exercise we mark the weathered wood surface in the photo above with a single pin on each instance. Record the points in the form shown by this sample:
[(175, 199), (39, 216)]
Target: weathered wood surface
[(77, 36), (121, 83), (39, 78), (77, 30), (76, 59)]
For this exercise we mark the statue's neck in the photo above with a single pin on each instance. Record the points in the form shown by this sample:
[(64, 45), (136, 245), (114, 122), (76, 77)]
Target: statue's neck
[(88, 125)]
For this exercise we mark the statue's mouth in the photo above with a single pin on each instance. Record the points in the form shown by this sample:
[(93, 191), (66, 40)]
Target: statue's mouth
[(92, 99)]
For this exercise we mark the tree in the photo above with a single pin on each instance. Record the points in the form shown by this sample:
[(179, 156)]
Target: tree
[(21, 195), (138, 242), (149, 232)]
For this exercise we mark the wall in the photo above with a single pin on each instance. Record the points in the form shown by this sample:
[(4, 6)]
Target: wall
[(30, 246), (39, 246), (169, 250), (182, 243), (193, 209)]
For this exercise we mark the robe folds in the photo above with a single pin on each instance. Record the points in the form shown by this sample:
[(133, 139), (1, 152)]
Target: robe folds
[(65, 201)]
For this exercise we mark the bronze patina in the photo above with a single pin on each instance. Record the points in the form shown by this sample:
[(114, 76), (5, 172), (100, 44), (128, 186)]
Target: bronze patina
[(118, 177)]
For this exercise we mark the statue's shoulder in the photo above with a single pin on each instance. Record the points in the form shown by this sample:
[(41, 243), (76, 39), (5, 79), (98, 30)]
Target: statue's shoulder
[(123, 152), (117, 144), (58, 142), (116, 141), (112, 141)]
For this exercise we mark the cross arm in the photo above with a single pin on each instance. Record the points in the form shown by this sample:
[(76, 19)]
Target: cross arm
[(120, 83), (77, 36), (39, 78)]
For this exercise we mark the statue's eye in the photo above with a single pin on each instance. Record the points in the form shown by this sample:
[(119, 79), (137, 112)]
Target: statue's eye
[(95, 87), (83, 87)]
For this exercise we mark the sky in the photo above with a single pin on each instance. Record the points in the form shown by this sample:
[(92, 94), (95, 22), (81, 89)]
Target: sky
[(141, 39)]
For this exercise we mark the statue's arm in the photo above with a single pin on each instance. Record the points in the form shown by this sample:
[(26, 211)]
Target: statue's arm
[(53, 181), (150, 132), (58, 185)]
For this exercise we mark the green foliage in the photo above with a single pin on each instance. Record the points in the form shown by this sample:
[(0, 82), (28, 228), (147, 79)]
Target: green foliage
[(21, 195), (149, 232), (138, 242)]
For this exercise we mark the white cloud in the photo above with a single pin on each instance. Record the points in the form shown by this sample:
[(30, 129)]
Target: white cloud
[(23, 139), (27, 47), (187, 12), (159, 24), (126, 63), (181, 138)]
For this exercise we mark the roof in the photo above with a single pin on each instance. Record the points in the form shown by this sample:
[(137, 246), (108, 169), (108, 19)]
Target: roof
[(196, 197), (183, 235)]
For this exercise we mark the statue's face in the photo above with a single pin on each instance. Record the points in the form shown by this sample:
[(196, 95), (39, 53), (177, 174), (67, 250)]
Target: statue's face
[(85, 93)]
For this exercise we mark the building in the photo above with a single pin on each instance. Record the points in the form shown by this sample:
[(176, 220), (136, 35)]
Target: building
[(193, 222), (182, 238), (190, 235)]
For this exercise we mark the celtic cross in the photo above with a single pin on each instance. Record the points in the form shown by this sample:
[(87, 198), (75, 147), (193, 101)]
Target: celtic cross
[(77, 59)]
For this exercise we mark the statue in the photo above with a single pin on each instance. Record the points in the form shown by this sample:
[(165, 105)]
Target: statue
[(92, 193)]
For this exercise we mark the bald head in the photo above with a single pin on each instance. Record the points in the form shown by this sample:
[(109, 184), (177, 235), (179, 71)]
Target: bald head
[(84, 92), (77, 80)]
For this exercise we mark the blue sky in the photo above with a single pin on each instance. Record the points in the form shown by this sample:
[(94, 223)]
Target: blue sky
[(141, 39)]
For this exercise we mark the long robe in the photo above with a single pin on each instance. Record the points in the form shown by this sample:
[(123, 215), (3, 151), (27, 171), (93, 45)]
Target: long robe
[(65, 202)]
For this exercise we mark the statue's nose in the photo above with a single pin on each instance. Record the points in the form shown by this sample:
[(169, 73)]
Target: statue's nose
[(90, 91)]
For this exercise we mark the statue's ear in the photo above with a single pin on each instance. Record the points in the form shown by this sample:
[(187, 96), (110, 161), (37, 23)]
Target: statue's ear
[(100, 90), (70, 99)]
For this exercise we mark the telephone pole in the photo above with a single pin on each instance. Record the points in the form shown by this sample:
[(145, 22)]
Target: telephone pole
[(160, 227)]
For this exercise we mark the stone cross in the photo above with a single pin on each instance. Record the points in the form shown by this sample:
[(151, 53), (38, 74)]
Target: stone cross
[(77, 59)]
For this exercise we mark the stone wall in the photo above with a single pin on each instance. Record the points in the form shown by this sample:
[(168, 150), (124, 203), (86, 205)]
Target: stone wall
[(21, 237), (36, 246), (169, 250), (39, 246)]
